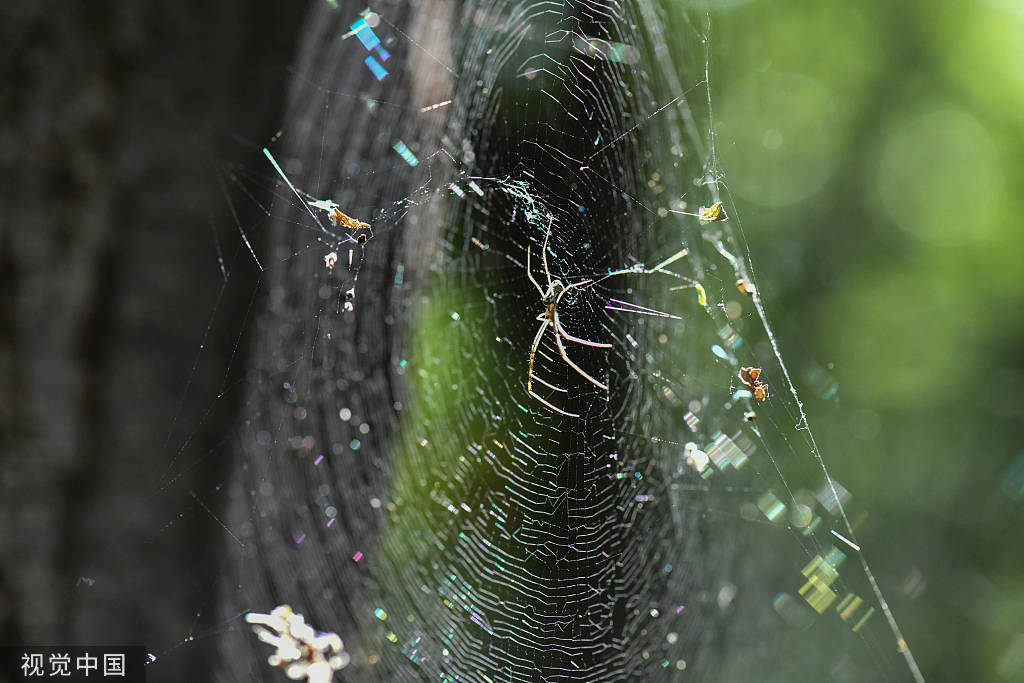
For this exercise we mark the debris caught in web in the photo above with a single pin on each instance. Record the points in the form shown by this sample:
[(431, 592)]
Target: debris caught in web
[(712, 214), (337, 217), (303, 653), (707, 214), (749, 377)]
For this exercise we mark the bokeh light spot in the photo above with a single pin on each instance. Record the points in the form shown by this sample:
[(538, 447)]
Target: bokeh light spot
[(938, 178), (786, 141)]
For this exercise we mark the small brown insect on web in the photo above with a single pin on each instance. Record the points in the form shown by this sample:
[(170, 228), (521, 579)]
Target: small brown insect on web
[(749, 377), (334, 214), (745, 287), (337, 218)]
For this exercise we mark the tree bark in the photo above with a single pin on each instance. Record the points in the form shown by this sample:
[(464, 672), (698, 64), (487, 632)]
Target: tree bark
[(115, 121)]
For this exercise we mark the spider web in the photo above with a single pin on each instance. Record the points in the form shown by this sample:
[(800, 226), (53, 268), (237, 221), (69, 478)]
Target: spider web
[(561, 547), (670, 525)]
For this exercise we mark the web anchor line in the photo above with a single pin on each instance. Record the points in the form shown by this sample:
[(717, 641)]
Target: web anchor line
[(851, 538)]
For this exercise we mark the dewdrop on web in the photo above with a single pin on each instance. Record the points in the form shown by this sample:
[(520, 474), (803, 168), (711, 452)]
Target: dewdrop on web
[(695, 457), (303, 653)]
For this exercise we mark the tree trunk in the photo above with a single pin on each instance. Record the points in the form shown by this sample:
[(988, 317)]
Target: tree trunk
[(115, 118)]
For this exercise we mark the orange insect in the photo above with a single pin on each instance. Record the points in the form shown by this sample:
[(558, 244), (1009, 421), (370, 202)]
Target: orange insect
[(338, 218), (749, 377), (745, 287)]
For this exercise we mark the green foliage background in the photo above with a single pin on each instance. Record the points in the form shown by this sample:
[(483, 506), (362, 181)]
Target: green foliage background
[(873, 150)]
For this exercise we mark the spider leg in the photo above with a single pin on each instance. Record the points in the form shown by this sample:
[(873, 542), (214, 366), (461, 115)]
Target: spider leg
[(566, 288), (640, 269), (586, 342), (565, 357), (549, 385), (574, 285), (530, 274), (529, 381), (533, 352), (544, 254), (553, 406), (622, 271)]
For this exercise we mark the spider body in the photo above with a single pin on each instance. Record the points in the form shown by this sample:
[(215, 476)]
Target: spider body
[(551, 297)]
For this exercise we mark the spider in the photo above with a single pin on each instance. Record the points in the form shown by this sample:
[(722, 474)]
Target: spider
[(550, 297)]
